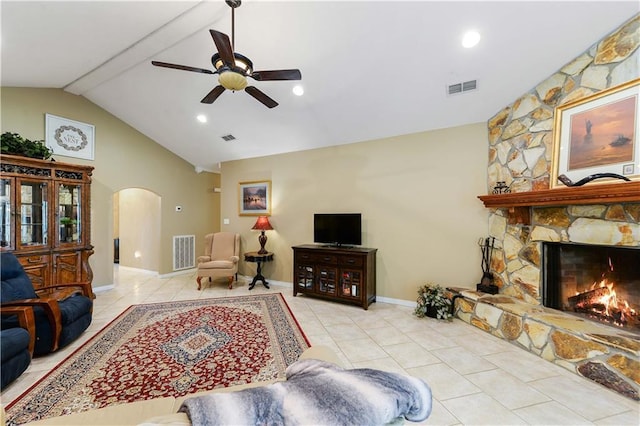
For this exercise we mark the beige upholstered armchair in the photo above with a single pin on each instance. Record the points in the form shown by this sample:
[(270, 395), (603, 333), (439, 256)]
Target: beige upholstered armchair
[(221, 256)]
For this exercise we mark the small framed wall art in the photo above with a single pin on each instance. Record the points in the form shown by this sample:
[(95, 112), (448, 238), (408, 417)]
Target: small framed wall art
[(598, 134), (254, 198), (69, 138)]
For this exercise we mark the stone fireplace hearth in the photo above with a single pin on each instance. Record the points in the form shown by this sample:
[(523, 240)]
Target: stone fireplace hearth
[(601, 353)]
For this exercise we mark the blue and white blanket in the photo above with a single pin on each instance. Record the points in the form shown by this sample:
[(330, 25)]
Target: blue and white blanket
[(318, 393)]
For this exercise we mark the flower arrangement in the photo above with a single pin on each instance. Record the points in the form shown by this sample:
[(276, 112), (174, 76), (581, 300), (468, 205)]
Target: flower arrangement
[(433, 302)]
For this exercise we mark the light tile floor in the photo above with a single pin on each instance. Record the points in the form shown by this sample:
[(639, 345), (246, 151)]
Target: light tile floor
[(476, 378)]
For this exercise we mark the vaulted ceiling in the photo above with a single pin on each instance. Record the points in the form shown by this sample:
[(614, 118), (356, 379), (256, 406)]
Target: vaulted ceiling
[(370, 69)]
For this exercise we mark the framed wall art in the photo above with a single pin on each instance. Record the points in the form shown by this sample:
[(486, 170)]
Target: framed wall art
[(598, 134), (69, 138), (254, 198)]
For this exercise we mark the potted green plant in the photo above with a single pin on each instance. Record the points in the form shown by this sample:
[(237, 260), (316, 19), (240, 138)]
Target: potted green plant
[(66, 228), (14, 144), (433, 302)]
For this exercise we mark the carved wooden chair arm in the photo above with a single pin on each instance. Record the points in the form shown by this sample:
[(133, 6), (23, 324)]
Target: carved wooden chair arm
[(25, 319), (51, 309), (63, 290)]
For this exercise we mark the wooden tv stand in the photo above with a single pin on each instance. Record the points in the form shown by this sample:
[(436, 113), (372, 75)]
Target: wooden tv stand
[(335, 273)]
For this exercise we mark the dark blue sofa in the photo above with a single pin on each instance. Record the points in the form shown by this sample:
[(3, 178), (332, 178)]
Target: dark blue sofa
[(62, 312), (16, 344), (14, 354)]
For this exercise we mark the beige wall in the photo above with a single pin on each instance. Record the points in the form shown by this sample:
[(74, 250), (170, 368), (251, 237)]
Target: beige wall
[(417, 195), (139, 228), (124, 158)]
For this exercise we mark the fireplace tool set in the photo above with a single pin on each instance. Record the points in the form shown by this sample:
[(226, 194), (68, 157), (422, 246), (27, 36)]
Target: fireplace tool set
[(486, 284)]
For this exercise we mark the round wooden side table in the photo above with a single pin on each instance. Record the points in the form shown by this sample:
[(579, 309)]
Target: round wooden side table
[(254, 256)]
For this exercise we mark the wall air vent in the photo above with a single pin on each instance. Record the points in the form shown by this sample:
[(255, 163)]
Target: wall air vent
[(228, 137), (184, 249), (454, 89)]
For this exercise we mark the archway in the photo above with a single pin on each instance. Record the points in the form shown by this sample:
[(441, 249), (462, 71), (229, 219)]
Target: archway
[(136, 228)]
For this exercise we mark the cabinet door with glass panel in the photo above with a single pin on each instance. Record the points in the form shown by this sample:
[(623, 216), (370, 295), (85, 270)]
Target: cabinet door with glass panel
[(7, 224), (69, 214), (32, 214)]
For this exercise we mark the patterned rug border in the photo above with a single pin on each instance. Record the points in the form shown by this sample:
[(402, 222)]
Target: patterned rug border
[(289, 356)]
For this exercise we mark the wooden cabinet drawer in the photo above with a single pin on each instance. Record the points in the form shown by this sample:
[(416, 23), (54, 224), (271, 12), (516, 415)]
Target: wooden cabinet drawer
[(303, 257), (36, 259), (38, 269), (310, 257), (351, 261), (328, 259)]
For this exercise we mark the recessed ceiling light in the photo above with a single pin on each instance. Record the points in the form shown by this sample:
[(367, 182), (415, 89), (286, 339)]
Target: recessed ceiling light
[(470, 39), (202, 118), (298, 90)]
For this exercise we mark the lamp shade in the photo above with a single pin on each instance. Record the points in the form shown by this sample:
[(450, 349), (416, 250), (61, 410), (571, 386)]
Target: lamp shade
[(262, 224)]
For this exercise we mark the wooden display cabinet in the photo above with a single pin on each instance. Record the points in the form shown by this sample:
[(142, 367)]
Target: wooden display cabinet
[(45, 218), (335, 273)]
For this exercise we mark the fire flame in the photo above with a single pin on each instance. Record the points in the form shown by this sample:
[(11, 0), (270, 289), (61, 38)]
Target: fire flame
[(606, 303), (610, 301)]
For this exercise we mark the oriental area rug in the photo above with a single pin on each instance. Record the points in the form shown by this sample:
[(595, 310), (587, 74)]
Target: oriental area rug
[(169, 349)]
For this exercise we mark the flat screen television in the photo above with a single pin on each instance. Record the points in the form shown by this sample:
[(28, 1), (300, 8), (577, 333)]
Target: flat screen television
[(337, 229)]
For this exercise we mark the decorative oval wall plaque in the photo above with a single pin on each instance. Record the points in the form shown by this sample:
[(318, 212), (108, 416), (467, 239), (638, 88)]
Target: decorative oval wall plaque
[(71, 138)]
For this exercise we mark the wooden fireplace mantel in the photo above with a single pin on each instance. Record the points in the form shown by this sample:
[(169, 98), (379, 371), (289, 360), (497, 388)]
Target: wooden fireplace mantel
[(518, 203)]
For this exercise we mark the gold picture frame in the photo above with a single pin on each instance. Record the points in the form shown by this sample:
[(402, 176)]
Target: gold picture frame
[(254, 198), (598, 134)]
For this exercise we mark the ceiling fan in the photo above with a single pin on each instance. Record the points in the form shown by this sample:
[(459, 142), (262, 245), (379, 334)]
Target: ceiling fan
[(233, 68)]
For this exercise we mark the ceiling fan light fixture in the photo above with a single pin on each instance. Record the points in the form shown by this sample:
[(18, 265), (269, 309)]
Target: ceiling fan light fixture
[(233, 76), (233, 81)]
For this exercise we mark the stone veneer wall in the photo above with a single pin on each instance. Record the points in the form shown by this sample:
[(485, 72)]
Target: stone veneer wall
[(520, 154)]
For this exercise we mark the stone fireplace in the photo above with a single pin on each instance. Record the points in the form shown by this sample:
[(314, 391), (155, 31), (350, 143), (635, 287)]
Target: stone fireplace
[(530, 216), (598, 283), (602, 352)]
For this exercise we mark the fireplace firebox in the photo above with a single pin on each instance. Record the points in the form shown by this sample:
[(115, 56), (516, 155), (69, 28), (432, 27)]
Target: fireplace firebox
[(599, 283)]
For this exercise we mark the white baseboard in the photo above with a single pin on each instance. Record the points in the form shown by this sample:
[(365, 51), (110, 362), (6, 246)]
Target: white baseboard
[(104, 288), (176, 273), (392, 301), (271, 282)]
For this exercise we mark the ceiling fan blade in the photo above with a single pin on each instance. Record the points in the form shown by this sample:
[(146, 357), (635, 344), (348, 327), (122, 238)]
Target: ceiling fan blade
[(277, 75), (259, 95), (223, 44), (212, 95), (181, 67)]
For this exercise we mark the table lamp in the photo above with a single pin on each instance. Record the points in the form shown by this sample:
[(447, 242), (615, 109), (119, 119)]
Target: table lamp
[(262, 224)]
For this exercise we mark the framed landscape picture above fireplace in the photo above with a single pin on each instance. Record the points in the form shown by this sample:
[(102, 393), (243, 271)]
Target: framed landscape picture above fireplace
[(598, 134)]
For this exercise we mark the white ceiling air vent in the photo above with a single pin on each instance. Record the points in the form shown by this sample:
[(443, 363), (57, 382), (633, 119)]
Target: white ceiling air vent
[(228, 137), (466, 86)]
